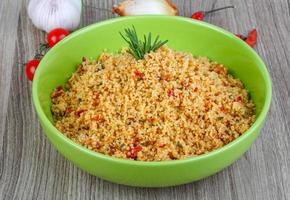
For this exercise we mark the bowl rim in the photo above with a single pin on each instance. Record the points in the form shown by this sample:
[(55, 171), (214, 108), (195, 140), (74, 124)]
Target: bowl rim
[(53, 130)]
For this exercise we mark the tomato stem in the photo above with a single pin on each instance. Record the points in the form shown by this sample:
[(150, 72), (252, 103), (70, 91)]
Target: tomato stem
[(38, 56), (218, 9)]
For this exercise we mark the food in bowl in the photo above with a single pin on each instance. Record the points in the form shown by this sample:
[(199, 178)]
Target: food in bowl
[(187, 35), (168, 106)]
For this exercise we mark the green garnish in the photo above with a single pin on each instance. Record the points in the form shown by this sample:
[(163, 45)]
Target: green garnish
[(139, 48)]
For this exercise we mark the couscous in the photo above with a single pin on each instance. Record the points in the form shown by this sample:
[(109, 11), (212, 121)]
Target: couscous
[(169, 105)]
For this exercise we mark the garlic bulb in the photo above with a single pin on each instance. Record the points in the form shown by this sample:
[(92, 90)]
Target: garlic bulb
[(145, 7), (51, 14)]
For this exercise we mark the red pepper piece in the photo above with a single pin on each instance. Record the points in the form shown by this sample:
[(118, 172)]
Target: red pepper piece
[(252, 38), (58, 92), (137, 148), (79, 112), (139, 74), (240, 99), (170, 93), (98, 118), (161, 145), (132, 152), (208, 105), (69, 110), (96, 144), (223, 109)]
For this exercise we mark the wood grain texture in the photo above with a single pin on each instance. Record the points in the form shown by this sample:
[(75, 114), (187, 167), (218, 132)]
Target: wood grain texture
[(30, 168)]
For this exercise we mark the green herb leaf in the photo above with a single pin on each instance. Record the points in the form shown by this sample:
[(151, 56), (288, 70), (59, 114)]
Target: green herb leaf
[(140, 48)]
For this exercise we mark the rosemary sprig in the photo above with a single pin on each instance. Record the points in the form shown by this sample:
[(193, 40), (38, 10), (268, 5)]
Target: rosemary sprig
[(139, 48)]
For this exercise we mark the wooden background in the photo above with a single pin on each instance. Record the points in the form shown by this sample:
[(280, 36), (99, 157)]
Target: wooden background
[(30, 168)]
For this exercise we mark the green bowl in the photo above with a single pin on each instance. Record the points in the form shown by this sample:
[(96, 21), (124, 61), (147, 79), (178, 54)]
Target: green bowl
[(183, 34)]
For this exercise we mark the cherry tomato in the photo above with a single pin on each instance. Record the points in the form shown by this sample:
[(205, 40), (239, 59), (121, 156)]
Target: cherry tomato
[(56, 35), (199, 15), (31, 67), (252, 38)]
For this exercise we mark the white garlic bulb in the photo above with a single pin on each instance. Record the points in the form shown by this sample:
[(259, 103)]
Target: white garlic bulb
[(145, 7), (50, 14)]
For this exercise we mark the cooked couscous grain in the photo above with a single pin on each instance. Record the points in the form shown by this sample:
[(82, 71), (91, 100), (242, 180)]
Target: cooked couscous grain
[(170, 105)]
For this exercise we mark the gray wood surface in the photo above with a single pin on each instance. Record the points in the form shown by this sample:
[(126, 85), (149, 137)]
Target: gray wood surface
[(30, 168)]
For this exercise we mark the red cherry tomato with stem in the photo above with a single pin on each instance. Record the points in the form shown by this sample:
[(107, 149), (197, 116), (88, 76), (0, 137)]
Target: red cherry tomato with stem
[(31, 67), (200, 15), (56, 35)]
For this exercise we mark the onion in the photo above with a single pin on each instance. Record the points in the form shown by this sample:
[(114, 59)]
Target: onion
[(145, 7)]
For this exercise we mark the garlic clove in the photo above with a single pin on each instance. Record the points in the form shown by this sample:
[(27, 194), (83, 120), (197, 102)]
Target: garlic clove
[(50, 14), (145, 7)]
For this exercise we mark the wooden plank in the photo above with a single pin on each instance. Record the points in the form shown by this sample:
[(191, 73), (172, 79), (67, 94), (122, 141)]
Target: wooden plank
[(30, 168), (8, 26)]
